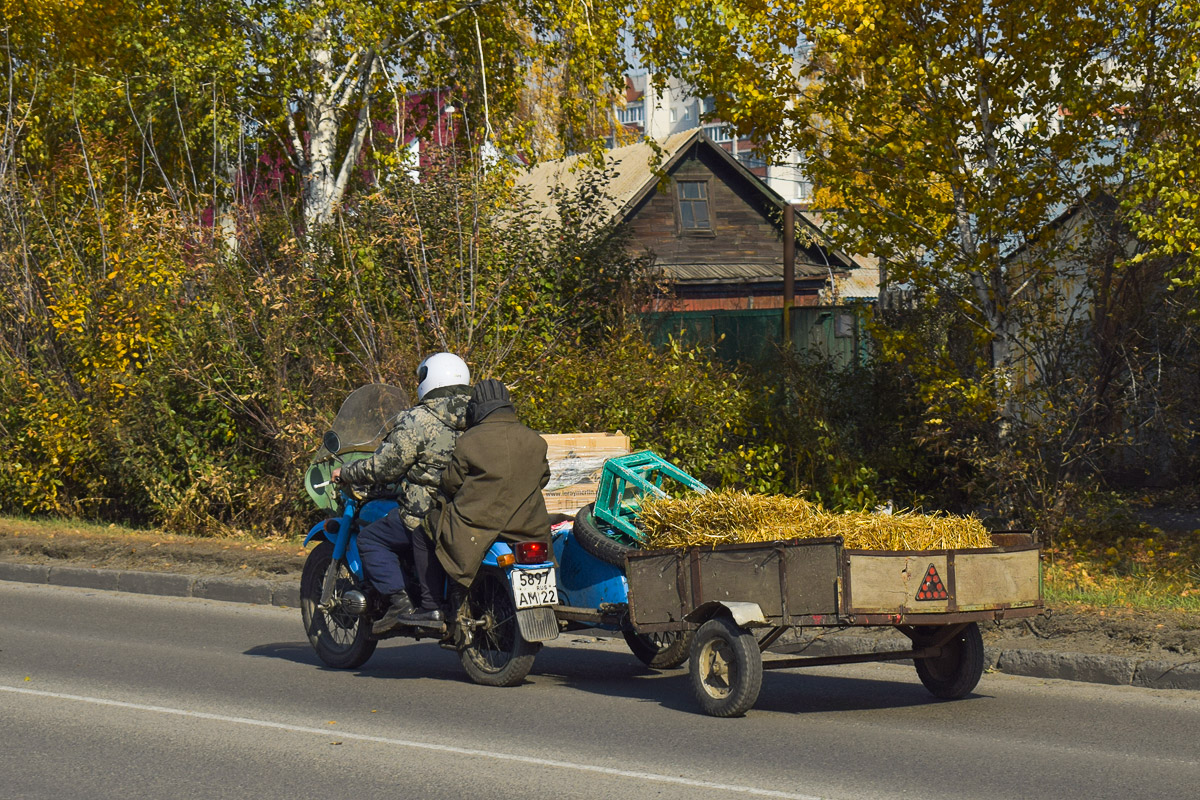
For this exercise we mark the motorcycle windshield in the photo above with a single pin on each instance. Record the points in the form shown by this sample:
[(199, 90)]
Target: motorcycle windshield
[(362, 421)]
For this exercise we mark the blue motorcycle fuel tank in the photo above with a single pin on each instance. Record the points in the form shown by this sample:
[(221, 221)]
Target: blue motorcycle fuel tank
[(374, 510), (336, 530)]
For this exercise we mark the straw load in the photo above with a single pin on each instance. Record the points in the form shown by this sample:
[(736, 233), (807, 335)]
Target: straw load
[(713, 518)]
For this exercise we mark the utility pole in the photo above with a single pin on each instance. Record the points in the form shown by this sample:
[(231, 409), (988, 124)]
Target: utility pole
[(789, 270)]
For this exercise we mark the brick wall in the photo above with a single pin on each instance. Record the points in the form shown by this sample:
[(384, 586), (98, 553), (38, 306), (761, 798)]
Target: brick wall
[(735, 299)]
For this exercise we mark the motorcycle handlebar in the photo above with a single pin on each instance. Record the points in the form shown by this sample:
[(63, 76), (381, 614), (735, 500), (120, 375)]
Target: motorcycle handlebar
[(361, 496)]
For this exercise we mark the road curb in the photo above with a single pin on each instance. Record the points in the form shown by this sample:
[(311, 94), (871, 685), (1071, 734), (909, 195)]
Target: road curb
[(84, 577), (285, 594), (1157, 674), (1150, 673), (1088, 668), (169, 584), (233, 590)]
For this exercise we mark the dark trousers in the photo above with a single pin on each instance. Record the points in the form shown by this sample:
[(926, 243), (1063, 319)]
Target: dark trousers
[(386, 544), (383, 545), (429, 571)]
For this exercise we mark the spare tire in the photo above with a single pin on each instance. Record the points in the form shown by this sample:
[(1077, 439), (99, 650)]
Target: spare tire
[(586, 531)]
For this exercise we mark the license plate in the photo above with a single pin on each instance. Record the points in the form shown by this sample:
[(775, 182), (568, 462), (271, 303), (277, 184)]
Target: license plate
[(534, 587)]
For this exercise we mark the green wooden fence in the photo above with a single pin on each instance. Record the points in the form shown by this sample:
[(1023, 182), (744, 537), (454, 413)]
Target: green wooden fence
[(755, 336)]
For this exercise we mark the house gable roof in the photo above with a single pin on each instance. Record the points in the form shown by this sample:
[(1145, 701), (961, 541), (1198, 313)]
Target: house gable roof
[(634, 173), (1096, 202)]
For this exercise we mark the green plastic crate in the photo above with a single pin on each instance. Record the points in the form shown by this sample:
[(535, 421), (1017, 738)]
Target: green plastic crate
[(626, 479)]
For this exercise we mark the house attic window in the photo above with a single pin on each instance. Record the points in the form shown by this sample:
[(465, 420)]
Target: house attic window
[(693, 206)]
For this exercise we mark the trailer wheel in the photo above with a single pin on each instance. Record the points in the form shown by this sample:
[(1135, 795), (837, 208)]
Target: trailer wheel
[(726, 668), (957, 670), (660, 650)]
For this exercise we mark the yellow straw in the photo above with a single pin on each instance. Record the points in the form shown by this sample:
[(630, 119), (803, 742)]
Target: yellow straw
[(701, 520)]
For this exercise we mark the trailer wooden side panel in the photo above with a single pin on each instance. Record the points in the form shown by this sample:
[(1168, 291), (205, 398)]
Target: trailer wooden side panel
[(748, 576), (817, 582), (659, 589), (786, 579), (941, 581), (999, 580), (810, 578), (887, 582)]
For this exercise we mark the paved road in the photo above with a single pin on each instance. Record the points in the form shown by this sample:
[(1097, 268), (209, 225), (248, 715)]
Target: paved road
[(131, 696)]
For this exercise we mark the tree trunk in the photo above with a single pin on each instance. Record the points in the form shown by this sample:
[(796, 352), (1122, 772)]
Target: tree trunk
[(324, 171), (322, 114), (225, 210)]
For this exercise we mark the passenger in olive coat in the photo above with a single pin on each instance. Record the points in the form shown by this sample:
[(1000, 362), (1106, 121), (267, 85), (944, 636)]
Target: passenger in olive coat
[(493, 485)]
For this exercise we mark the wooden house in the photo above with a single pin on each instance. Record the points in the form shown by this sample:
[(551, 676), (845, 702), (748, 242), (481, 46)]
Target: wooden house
[(713, 227)]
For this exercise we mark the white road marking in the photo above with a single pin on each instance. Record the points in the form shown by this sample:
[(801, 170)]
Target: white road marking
[(440, 748)]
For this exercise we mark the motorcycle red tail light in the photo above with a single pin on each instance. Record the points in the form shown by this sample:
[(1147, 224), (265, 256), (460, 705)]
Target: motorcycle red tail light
[(531, 552)]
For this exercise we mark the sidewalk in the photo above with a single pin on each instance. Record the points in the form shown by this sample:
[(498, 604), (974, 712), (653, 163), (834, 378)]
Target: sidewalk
[(1152, 673)]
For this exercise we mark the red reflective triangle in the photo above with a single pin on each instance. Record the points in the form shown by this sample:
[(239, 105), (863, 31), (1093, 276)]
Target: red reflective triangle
[(932, 587)]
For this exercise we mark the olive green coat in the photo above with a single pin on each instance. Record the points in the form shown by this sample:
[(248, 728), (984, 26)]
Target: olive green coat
[(493, 489)]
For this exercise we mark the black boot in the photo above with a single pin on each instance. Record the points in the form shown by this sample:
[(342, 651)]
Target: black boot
[(424, 618), (401, 605), (458, 601)]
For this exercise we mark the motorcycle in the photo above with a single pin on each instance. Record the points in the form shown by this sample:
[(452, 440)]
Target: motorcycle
[(506, 614)]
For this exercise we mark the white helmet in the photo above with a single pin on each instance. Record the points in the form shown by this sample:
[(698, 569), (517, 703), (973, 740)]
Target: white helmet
[(441, 369)]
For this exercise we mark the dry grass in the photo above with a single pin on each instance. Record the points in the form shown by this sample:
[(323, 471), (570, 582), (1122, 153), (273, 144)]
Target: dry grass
[(706, 520)]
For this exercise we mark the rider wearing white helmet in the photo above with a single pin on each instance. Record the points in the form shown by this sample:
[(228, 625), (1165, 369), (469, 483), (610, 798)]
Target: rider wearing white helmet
[(440, 370), (409, 463)]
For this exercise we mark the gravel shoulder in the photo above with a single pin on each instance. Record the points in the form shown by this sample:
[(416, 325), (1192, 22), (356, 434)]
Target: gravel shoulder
[(70, 544)]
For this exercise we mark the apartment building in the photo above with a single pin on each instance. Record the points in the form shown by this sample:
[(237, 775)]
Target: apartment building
[(652, 113)]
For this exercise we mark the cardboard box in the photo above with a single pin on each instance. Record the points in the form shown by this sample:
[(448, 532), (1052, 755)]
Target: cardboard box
[(576, 463), (578, 445)]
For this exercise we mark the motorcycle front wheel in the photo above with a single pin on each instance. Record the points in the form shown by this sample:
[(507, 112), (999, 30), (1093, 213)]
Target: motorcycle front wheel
[(495, 653), (342, 640)]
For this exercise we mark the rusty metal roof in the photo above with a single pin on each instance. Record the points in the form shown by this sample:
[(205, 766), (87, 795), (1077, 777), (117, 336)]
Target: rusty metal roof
[(631, 169), (736, 272)]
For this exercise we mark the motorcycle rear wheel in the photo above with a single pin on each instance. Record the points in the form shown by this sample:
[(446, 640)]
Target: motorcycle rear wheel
[(495, 653), (341, 640)]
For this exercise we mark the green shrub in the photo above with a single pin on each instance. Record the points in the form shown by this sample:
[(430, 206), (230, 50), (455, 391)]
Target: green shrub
[(679, 401)]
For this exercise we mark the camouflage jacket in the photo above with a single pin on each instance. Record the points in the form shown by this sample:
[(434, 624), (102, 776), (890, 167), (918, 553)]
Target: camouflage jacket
[(415, 451)]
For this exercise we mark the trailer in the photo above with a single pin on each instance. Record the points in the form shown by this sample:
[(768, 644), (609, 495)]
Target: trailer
[(721, 607), (736, 600)]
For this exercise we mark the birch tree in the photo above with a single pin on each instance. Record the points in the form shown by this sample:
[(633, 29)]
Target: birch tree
[(317, 80), (326, 71)]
